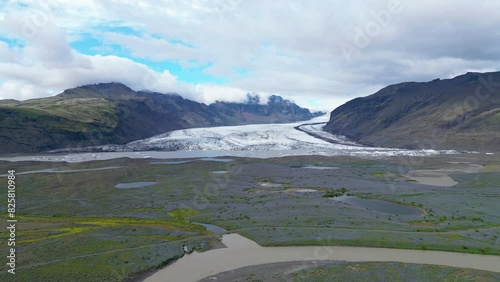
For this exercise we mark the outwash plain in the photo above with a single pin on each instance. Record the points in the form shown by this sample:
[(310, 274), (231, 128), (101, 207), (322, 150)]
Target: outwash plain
[(77, 226)]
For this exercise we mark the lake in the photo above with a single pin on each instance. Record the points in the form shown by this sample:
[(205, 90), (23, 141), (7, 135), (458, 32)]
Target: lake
[(134, 185)]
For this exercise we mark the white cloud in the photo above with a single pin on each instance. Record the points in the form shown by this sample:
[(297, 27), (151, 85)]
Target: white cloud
[(153, 48), (17, 90), (292, 48), (210, 93), (99, 69)]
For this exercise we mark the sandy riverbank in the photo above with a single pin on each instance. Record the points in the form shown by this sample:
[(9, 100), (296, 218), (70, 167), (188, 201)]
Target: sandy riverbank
[(441, 177)]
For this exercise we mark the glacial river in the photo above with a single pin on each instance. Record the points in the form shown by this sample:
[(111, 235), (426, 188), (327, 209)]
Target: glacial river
[(241, 252)]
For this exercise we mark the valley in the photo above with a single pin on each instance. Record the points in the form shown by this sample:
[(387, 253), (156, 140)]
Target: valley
[(120, 234), (249, 141), (152, 208)]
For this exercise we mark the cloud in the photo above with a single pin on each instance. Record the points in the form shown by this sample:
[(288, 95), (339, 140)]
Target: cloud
[(290, 48), (211, 93), (47, 65), (99, 69), (154, 49)]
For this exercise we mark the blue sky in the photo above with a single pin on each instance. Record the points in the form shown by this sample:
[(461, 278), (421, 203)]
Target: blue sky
[(319, 54), (189, 74), (95, 44)]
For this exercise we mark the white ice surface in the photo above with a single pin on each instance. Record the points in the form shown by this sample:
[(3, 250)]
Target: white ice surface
[(255, 137), (258, 141)]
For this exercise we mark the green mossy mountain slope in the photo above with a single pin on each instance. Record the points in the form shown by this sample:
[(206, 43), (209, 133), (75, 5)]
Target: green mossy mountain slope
[(112, 113)]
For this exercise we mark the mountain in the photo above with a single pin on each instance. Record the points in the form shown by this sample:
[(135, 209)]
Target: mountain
[(459, 113), (277, 110), (113, 113)]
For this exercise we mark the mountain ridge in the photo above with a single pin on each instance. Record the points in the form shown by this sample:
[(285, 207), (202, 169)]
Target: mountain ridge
[(113, 113), (458, 113)]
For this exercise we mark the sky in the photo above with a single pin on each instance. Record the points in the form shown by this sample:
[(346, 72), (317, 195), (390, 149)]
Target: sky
[(319, 54)]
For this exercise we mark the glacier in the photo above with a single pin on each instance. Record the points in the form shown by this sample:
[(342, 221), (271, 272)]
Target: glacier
[(255, 137), (256, 141)]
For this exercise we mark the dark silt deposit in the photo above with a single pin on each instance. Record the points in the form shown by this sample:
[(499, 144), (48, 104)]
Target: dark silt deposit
[(378, 205)]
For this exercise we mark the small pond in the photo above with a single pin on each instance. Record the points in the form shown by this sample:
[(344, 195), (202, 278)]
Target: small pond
[(134, 185), (305, 190), (171, 163), (216, 160), (320, 167), (270, 185)]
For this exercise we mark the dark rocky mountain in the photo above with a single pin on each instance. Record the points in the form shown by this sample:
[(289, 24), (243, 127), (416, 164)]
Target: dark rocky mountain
[(107, 113), (459, 113), (277, 110)]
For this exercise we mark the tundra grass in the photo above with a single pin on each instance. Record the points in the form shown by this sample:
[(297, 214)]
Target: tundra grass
[(114, 234), (391, 271)]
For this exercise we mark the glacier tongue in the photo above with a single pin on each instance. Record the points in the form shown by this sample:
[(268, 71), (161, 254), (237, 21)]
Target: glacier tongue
[(292, 137), (259, 137), (255, 141), (250, 137)]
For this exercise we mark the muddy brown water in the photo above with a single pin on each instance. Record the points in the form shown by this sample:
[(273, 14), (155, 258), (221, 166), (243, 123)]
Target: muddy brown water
[(241, 252)]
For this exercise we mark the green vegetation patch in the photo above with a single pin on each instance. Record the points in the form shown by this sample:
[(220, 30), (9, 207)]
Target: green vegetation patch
[(331, 193), (183, 214)]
